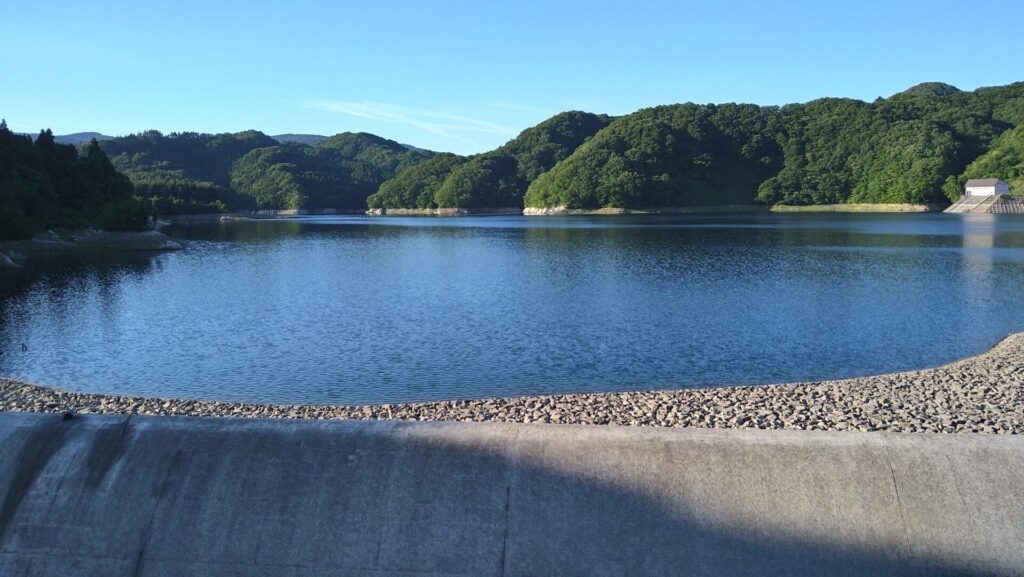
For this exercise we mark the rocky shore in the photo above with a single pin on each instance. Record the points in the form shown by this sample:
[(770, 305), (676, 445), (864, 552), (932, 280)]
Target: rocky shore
[(861, 207), (483, 211), (982, 394), (14, 254), (565, 211)]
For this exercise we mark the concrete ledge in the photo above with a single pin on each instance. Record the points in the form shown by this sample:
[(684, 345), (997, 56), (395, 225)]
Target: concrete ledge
[(179, 496)]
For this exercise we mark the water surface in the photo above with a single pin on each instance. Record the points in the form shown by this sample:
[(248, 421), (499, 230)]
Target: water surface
[(355, 310)]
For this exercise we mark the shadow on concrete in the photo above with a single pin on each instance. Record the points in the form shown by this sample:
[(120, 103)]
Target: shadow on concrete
[(159, 496)]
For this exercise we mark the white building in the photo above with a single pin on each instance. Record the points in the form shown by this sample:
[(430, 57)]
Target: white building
[(986, 187)]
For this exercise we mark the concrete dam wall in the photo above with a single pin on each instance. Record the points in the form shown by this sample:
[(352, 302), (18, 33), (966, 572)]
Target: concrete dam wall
[(179, 496)]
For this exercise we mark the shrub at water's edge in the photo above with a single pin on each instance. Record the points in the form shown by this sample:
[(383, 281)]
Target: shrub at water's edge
[(44, 184)]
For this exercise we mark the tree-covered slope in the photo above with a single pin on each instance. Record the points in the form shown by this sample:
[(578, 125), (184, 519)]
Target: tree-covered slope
[(192, 172), (416, 187), (1004, 160), (294, 176), (910, 148), (665, 156), (310, 139), (195, 156), (386, 156), (338, 172), (917, 146), (183, 172), (498, 178), (847, 151), (45, 184)]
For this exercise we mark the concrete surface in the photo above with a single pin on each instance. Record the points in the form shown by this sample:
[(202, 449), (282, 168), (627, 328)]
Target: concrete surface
[(992, 204), (182, 496)]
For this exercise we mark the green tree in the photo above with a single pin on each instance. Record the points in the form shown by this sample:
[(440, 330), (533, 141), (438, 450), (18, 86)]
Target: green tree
[(45, 184)]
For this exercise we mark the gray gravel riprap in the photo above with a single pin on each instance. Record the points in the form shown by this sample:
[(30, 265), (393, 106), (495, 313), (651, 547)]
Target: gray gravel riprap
[(980, 394)]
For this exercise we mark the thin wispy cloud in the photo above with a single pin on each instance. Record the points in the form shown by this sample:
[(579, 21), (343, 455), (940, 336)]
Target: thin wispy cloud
[(521, 107), (444, 124)]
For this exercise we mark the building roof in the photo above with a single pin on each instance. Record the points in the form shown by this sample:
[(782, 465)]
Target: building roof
[(984, 182)]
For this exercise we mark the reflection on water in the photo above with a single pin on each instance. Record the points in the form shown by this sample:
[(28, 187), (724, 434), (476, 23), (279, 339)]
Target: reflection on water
[(978, 264), (349, 309)]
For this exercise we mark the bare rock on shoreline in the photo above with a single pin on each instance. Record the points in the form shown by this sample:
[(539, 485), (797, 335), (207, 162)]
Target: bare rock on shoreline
[(483, 211), (7, 260), (145, 240), (14, 254)]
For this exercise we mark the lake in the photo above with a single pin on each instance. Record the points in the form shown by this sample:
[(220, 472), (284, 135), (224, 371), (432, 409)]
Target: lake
[(370, 310)]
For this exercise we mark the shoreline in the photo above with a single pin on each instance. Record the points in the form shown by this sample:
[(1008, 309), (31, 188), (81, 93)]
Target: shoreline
[(494, 211), (861, 207), (15, 254), (981, 394), (265, 214), (702, 208), (552, 211)]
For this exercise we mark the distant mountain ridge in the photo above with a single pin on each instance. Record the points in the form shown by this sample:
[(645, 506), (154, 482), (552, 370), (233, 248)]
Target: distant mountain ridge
[(74, 138), (80, 137), (191, 172), (77, 138), (916, 146)]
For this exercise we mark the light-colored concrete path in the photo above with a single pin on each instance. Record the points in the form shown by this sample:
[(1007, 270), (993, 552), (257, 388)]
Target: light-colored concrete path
[(183, 496)]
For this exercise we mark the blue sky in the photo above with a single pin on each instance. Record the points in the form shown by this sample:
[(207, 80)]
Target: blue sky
[(466, 76)]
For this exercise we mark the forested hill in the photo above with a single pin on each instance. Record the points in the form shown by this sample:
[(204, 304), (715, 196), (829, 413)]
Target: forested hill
[(337, 172), (185, 171), (46, 184), (1004, 159), (493, 179), (917, 146), (192, 172)]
